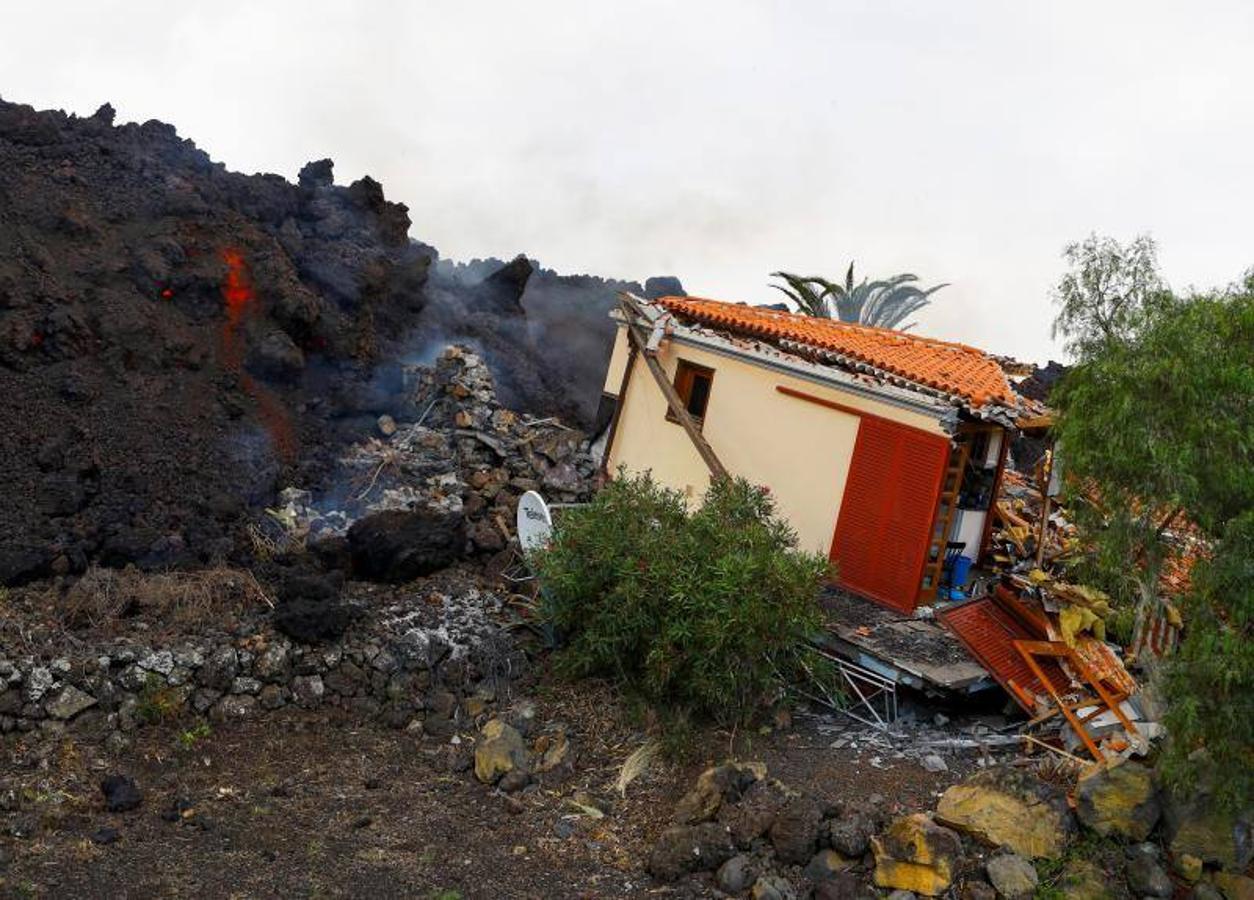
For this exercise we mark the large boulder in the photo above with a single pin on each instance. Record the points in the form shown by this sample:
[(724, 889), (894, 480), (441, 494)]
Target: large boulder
[(499, 752), (754, 814), (795, 831), (1119, 801), (1198, 826), (403, 544), (716, 785), (682, 849), (1005, 807), (916, 854)]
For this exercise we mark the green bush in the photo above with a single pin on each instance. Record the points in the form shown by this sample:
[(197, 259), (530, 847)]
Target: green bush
[(700, 612)]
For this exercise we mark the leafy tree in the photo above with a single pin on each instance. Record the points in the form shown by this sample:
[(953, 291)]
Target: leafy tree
[(1104, 297), (883, 303), (703, 612), (1156, 423)]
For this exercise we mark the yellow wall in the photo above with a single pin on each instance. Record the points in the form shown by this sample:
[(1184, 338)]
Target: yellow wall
[(800, 450)]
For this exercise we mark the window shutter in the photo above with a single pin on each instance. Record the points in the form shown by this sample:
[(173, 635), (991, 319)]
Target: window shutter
[(891, 492)]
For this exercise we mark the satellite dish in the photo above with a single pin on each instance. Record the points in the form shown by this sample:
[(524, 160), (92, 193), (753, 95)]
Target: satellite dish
[(535, 524)]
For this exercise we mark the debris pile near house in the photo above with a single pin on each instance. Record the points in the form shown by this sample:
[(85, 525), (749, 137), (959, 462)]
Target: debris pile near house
[(1044, 638), (421, 494), (747, 834)]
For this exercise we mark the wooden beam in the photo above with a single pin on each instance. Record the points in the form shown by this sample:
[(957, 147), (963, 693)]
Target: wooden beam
[(639, 342)]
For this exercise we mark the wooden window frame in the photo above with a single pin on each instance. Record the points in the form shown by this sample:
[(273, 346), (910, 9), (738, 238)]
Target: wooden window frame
[(684, 376)]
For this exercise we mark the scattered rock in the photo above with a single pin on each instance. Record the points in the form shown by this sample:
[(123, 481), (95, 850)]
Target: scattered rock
[(1081, 879), (773, 887), (1006, 807), (715, 785), (1120, 800), (843, 886), (682, 849), (514, 781), (1013, 876), (795, 831), (850, 834), (916, 854), (105, 835), (121, 793), (934, 763), (500, 750), (825, 864), (1146, 876), (736, 874)]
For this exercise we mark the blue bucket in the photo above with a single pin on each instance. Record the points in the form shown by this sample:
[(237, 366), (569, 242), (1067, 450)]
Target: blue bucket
[(961, 569)]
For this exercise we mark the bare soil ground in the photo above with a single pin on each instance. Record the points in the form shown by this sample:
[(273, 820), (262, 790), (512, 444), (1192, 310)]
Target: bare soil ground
[(305, 805)]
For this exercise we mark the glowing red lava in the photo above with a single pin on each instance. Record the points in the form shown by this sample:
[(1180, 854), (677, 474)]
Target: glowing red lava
[(237, 291)]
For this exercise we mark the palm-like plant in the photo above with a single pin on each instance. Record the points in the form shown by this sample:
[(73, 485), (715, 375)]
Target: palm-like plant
[(883, 303)]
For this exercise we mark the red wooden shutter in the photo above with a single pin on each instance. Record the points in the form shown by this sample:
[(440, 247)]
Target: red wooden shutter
[(885, 524)]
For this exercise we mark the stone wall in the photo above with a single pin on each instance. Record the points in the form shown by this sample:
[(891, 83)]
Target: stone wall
[(421, 660)]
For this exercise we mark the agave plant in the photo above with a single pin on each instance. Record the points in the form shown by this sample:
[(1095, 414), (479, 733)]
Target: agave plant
[(883, 303)]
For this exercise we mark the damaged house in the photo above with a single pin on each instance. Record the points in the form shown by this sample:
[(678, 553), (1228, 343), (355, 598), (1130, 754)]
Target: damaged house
[(884, 449)]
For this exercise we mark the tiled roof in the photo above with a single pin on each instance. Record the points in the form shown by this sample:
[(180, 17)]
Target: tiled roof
[(947, 367)]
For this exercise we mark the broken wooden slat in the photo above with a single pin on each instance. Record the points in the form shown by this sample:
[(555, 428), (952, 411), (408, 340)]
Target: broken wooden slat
[(630, 312)]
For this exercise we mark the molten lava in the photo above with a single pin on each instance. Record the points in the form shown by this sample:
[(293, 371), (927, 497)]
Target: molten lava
[(237, 291)]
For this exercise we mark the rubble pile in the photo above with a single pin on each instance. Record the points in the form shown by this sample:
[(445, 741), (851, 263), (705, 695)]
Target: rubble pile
[(460, 465), (1005, 832)]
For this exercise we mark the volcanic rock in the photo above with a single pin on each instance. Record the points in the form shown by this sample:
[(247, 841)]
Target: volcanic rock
[(682, 849), (1011, 808), (714, 785), (825, 864), (1146, 875), (916, 854), (1121, 800), (121, 793), (736, 874), (754, 814), (500, 751), (399, 545), (773, 887), (69, 703), (795, 831), (1013, 876), (850, 834)]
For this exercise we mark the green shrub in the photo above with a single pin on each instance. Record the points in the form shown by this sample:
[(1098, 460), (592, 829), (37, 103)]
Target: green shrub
[(702, 612)]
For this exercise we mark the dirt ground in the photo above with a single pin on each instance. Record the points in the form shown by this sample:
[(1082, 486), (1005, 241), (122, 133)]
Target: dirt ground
[(305, 805)]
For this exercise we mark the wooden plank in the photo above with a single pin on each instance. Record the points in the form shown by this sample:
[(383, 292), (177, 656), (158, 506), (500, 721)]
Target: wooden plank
[(631, 311)]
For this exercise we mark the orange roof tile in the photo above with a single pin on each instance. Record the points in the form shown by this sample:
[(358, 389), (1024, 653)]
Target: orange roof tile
[(951, 368)]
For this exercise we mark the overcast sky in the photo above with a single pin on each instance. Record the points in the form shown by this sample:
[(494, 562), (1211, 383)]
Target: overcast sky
[(717, 140)]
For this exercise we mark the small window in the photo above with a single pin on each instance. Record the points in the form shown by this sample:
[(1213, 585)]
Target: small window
[(692, 383)]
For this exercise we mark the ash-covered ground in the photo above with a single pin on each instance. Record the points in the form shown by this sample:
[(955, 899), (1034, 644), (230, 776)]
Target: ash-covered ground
[(178, 343)]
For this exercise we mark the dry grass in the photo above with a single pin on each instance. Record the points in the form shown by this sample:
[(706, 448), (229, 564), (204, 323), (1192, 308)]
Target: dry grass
[(178, 600)]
